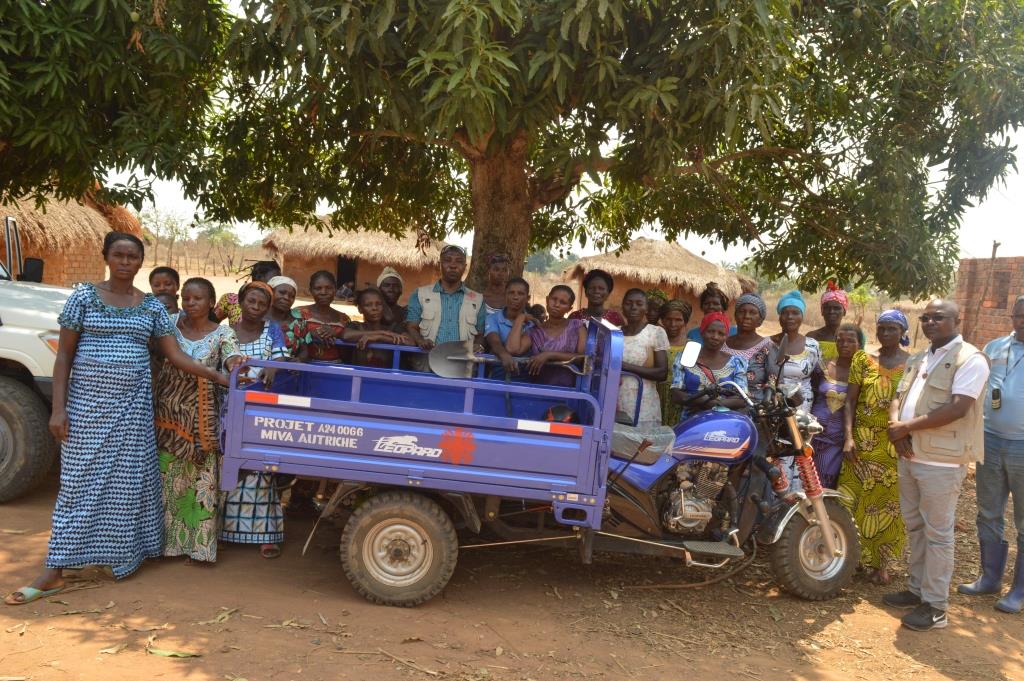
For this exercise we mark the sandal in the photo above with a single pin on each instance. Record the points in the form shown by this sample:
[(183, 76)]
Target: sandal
[(30, 593), (269, 551)]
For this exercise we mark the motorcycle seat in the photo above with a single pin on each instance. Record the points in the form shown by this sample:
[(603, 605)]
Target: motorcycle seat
[(626, 439)]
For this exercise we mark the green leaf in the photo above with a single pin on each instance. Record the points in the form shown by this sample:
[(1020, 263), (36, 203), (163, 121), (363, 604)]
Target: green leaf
[(583, 32)]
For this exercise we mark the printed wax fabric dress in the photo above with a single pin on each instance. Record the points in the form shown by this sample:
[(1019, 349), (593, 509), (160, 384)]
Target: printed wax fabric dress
[(670, 411), (692, 380), (302, 332), (188, 441), (109, 509), (870, 487), (252, 512), (830, 410), (757, 366)]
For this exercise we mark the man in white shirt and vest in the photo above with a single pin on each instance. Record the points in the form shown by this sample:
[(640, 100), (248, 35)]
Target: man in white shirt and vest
[(936, 426), (447, 310), (1002, 474)]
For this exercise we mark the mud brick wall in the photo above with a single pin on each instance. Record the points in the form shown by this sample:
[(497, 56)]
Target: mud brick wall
[(986, 314)]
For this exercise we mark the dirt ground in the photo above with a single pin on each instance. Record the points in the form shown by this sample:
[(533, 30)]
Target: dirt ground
[(510, 613)]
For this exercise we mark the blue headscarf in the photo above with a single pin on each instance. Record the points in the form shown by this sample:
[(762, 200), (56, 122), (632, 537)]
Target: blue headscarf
[(755, 300), (896, 317), (792, 299)]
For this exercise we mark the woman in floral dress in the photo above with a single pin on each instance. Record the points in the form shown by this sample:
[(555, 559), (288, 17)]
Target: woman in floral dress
[(713, 367), (188, 428), (252, 512), (867, 479), (644, 354)]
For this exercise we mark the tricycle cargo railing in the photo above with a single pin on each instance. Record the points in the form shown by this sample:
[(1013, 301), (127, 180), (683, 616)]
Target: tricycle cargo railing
[(406, 422)]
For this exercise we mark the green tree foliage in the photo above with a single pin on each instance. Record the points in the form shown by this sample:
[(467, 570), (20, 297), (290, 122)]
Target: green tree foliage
[(218, 234), (540, 261), (843, 138), (89, 86)]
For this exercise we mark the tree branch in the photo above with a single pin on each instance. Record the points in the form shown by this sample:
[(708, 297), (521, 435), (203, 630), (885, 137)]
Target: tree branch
[(408, 136)]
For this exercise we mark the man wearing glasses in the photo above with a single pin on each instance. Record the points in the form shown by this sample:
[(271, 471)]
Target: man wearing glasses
[(936, 426), (1002, 473), (446, 310)]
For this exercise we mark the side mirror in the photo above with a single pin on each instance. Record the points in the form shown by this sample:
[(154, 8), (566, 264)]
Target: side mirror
[(688, 357)]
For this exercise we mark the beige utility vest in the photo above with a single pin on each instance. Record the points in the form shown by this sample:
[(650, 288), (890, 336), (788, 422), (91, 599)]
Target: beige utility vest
[(963, 440), (430, 319)]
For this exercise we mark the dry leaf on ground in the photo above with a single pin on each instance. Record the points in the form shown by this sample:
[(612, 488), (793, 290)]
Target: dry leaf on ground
[(114, 650)]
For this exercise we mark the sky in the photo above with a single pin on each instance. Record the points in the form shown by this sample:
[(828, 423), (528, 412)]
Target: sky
[(1000, 217)]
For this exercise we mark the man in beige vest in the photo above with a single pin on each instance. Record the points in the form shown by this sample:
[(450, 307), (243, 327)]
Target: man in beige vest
[(447, 310), (937, 427)]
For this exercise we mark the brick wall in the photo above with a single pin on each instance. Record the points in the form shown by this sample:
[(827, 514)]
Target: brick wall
[(988, 317), (64, 269)]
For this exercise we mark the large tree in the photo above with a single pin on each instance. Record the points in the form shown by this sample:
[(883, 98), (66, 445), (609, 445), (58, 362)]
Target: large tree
[(90, 86), (843, 138)]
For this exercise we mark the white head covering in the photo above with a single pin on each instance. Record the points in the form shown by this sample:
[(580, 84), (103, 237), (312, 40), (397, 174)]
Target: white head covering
[(388, 273), (279, 280)]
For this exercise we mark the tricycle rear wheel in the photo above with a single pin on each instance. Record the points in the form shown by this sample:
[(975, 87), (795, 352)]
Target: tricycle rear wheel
[(399, 548)]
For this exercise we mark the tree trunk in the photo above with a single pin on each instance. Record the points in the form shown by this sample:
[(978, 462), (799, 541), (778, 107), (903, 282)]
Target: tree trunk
[(502, 209)]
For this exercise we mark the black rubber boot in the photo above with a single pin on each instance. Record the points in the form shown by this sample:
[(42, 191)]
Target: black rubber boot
[(993, 564), (1014, 600)]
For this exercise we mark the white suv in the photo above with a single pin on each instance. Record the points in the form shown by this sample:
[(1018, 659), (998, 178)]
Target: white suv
[(28, 347)]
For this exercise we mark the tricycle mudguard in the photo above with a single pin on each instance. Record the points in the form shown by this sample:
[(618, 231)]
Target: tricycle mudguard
[(774, 527)]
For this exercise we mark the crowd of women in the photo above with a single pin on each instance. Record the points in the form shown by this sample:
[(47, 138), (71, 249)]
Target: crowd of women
[(130, 491)]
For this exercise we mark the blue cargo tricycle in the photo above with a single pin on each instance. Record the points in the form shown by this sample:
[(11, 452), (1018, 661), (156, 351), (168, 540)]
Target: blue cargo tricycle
[(416, 455)]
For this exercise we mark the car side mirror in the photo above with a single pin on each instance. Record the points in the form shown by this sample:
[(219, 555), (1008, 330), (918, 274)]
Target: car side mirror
[(688, 357)]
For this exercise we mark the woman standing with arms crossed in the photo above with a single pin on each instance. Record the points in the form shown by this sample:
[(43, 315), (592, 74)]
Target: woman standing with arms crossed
[(319, 325), (109, 509), (188, 427), (867, 479)]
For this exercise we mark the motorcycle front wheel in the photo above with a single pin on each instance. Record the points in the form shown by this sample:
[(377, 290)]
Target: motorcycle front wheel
[(802, 564)]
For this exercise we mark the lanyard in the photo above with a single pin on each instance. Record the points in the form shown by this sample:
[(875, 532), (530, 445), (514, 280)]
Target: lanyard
[(1009, 352)]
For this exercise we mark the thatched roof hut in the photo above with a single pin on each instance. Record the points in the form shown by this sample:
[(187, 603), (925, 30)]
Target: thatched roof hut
[(67, 236), (357, 256), (650, 263)]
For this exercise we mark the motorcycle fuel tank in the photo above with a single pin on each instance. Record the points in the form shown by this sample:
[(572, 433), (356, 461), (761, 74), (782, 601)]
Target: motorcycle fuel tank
[(726, 437)]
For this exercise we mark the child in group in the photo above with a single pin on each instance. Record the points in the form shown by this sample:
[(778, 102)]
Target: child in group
[(165, 281), (170, 302)]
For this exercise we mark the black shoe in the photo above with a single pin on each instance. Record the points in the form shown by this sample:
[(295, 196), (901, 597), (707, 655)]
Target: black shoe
[(904, 600), (925, 617)]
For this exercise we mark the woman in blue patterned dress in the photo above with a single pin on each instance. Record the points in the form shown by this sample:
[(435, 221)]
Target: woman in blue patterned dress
[(252, 512), (188, 427), (714, 365), (109, 509)]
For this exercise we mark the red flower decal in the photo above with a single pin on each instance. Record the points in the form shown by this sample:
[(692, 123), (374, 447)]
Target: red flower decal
[(457, 446)]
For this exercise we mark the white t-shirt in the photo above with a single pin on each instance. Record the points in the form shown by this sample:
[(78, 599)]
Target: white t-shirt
[(969, 380)]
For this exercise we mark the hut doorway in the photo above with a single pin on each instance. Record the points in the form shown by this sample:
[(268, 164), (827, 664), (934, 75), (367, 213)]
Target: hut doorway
[(347, 268)]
